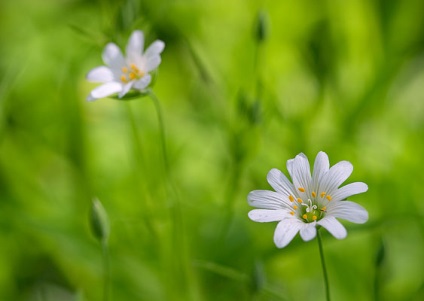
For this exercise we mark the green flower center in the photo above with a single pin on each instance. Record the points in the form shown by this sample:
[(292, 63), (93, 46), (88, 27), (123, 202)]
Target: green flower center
[(313, 209), (313, 215)]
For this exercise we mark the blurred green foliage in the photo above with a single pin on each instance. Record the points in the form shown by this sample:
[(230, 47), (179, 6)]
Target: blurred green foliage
[(345, 77)]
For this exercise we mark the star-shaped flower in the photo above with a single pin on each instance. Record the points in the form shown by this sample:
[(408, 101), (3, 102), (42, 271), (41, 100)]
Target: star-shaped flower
[(310, 201), (122, 74)]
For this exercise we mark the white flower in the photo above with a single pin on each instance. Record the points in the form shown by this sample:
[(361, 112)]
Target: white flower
[(309, 201), (121, 74)]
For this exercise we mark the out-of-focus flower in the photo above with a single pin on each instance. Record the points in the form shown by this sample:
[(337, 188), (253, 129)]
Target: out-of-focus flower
[(122, 74), (310, 201)]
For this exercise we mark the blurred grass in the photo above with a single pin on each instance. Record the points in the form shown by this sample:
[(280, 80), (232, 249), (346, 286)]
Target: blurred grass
[(343, 77)]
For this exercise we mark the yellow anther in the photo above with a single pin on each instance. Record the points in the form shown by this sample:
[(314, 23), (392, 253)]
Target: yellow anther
[(314, 194), (291, 198), (323, 194), (314, 217), (324, 209), (292, 213), (301, 189), (329, 197), (124, 70), (132, 75), (295, 207), (299, 200), (134, 67), (123, 78), (305, 216)]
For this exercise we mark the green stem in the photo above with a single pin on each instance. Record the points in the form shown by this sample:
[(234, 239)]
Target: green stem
[(162, 130), (106, 271), (324, 269), (139, 157), (182, 264), (135, 135)]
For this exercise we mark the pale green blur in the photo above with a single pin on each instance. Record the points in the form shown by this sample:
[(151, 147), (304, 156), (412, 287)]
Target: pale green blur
[(344, 77)]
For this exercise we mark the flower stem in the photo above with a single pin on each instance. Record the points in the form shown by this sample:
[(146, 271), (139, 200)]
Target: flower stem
[(106, 271), (181, 265), (324, 269), (162, 130), (139, 175)]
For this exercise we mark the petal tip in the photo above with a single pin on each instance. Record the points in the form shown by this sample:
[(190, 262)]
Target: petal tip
[(90, 98), (365, 187), (161, 46)]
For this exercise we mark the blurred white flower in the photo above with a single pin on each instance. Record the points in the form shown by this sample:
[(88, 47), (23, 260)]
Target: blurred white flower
[(309, 201), (122, 74)]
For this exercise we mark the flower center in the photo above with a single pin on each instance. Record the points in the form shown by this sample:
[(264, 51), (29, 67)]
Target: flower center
[(131, 73), (311, 210)]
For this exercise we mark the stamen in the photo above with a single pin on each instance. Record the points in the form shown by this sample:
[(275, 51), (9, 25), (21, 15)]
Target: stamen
[(295, 207), (304, 216), (134, 67), (314, 217), (123, 78), (291, 198), (299, 200), (301, 189), (329, 197), (291, 212), (323, 194), (324, 209), (314, 194), (132, 75), (124, 70)]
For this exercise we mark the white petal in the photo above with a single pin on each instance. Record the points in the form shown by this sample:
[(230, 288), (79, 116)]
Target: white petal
[(333, 226), (300, 173), (337, 174), (348, 190), (279, 182), (290, 167), (135, 45), (267, 199), (105, 90), (125, 89), (155, 49), (349, 211), (285, 232), (136, 42), (143, 82), (152, 63), (321, 166), (264, 215), (112, 56), (100, 74), (308, 232)]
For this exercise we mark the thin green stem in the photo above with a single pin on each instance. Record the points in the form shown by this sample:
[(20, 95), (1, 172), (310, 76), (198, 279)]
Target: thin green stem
[(139, 157), (182, 264), (162, 130), (135, 135), (106, 271), (324, 269)]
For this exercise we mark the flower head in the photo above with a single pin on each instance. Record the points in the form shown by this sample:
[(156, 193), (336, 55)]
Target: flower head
[(122, 74), (310, 201)]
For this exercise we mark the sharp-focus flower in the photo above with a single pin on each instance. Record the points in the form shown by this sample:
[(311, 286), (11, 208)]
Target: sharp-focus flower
[(310, 201), (122, 74)]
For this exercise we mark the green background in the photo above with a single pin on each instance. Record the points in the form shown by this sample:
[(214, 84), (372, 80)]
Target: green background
[(344, 77)]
